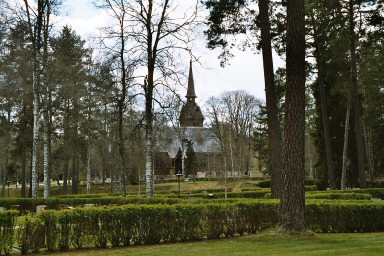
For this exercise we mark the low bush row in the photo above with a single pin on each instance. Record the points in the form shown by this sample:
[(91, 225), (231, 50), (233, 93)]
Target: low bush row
[(29, 204), (307, 188), (345, 216), (338, 196), (150, 224), (141, 224)]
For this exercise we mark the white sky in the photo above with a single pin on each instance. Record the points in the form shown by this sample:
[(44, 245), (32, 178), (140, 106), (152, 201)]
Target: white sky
[(244, 72)]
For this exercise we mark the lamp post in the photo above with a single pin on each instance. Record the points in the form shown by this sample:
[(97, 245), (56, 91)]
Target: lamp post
[(8, 182), (179, 175)]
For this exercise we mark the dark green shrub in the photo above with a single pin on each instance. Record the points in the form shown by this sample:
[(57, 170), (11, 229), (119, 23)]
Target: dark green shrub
[(344, 216), (30, 234), (49, 219), (264, 184), (311, 188), (338, 196), (7, 227)]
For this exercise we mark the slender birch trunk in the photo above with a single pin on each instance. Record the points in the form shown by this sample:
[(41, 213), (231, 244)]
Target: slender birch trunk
[(35, 140), (47, 179), (149, 161)]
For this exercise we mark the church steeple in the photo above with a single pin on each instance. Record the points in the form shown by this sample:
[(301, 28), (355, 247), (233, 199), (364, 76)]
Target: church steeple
[(190, 114), (191, 85)]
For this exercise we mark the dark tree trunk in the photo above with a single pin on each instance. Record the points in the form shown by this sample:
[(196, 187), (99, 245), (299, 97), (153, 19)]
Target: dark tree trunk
[(327, 138), (23, 171), (356, 101), (323, 104), (274, 132), (292, 204), (66, 149)]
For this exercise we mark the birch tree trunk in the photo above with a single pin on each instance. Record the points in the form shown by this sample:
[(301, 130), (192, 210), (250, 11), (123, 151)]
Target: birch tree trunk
[(149, 160), (35, 139), (47, 180)]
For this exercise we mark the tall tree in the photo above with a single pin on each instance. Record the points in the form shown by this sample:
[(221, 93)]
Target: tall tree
[(319, 17), (274, 132), (237, 17), (70, 61), (292, 204), (38, 24), (157, 31), (356, 98), (118, 11)]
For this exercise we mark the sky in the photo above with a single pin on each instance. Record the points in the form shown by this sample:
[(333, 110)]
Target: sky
[(243, 72)]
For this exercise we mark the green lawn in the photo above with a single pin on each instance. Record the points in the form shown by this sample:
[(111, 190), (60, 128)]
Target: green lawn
[(261, 244)]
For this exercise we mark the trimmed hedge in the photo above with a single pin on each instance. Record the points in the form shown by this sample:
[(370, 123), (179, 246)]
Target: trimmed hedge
[(99, 227), (344, 216), (29, 204), (338, 196), (7, 227)]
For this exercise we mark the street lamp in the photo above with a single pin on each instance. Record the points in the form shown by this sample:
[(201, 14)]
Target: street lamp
[(8, 182), (179, 176)]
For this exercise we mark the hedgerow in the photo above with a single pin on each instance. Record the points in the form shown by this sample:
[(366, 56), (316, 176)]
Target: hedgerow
[(7, 227), (100, 227)]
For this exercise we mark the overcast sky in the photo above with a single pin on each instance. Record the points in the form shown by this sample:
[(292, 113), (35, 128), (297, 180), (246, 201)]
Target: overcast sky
[(244, 72)]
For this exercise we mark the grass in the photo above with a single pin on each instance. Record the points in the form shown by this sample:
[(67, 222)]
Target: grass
[(269, 243)]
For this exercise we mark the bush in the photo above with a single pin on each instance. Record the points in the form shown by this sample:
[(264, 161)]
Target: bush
[(151, 224), (344, 216), (264, 184), (28, 205), (338, 196), (7, 227)]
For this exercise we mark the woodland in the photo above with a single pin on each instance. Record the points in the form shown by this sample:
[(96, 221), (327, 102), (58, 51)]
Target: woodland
[(72, 112)]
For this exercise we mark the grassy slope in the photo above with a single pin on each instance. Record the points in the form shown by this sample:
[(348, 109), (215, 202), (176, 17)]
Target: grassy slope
[(261, 244)]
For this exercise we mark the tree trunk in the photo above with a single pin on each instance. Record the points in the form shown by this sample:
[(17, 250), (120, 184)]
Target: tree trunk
[(23, 171), (345, 149), (122, 180), (274, 132), (148, 84), (327, 137), (231, 153), (35, 146), (356, 101), (66, 147), (292, 203), (149, 161), (47, 179), (88, 165)]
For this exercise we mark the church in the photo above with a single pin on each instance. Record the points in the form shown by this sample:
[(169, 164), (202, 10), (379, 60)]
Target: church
[(169, 157)]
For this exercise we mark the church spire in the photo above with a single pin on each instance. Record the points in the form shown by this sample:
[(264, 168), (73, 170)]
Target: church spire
[(191, 84), (190, 114)]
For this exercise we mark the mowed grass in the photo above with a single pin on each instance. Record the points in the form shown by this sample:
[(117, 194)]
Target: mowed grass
[(269, 243)]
